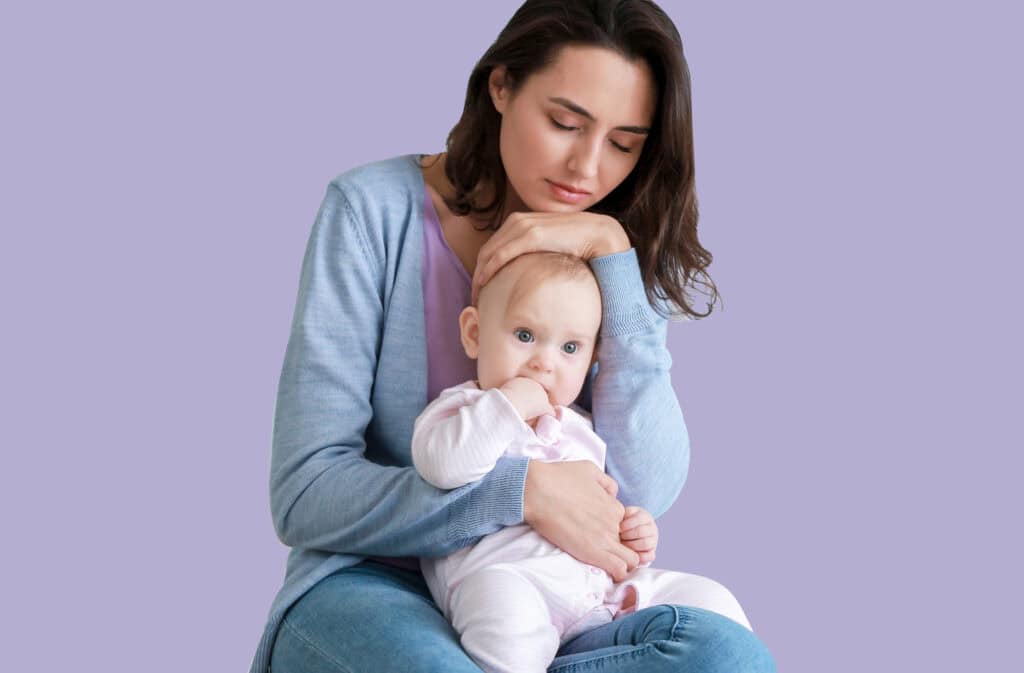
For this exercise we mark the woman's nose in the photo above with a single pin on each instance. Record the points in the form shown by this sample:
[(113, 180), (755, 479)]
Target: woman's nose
[(586, 153)]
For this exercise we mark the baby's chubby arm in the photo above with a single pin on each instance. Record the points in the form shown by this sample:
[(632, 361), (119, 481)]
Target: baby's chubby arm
[(461, 435)]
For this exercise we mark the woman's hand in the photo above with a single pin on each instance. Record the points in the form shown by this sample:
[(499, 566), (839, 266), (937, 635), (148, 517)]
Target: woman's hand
[(572, 504), (639, 532), (584, 235)]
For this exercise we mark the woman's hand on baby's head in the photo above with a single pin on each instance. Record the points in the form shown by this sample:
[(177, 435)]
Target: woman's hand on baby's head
[(528, 397), (582, 234)]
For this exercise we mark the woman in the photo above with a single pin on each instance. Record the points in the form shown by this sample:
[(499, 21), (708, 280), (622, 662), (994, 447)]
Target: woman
[(576, 137)]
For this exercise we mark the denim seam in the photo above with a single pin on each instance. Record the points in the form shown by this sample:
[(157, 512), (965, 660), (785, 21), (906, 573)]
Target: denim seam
[(299, 635), (681, 621), (642, 649)]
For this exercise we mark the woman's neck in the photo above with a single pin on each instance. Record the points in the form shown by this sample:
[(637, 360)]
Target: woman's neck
[(436, 178)]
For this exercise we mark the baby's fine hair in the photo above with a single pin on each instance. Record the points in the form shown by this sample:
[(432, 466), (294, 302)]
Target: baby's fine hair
[(539, 267)]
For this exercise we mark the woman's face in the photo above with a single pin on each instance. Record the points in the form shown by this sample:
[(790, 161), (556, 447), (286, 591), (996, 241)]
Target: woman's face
[(573, 131)]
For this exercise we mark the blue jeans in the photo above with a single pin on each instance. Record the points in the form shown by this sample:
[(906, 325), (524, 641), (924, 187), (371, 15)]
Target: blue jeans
[(372, 618)]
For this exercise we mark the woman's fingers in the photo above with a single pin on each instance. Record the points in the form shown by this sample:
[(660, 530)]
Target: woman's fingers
[(495, 254), (487, 267), (623, 561), (610, 486), (568, 503), (579, 234), (565, 507), (613, 565), (508, 230)]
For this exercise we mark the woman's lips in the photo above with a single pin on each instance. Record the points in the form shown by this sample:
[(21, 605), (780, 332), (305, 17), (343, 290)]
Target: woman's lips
[(565, 193)]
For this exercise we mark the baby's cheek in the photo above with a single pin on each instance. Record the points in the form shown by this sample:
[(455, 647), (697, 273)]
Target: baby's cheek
[(568, 391)]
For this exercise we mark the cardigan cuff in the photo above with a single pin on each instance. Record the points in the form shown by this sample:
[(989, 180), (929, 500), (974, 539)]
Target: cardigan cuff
[(494, 502), (624, 299)]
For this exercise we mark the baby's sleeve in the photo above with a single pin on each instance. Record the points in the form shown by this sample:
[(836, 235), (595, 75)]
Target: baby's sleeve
[(461, 435)]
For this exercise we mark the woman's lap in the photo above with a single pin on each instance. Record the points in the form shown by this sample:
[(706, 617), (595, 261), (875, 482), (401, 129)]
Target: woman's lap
[(377, 619), (369, 617), (666, 638)]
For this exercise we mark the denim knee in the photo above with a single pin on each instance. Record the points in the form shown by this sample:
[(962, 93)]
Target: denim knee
[(721, 644)]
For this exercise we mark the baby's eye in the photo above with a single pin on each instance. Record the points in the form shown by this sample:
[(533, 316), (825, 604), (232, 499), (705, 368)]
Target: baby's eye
[(570, 347), (524, 335)]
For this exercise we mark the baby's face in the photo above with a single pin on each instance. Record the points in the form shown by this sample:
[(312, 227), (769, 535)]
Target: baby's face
[(547, 335)]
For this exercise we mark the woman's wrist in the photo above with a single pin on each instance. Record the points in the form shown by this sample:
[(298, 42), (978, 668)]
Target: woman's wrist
[(613, 240), (533, 467)]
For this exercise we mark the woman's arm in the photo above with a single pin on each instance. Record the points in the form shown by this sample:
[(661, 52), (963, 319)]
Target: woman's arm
[(324, 493), (634, 406)]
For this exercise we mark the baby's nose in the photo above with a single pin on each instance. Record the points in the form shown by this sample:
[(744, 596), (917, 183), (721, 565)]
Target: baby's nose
[(541, 362)]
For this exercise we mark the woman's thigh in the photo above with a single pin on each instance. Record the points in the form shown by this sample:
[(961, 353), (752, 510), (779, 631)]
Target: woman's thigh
[(368, 618), (666, 639)]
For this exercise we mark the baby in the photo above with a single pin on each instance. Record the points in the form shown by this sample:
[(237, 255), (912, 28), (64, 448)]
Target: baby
[(513, 597)]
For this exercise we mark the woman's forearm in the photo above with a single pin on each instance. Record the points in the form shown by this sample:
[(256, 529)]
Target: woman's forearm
[(634, 405), (324, 493)]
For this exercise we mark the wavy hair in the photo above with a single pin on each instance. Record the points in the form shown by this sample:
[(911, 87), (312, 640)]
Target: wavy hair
[(657, 202)]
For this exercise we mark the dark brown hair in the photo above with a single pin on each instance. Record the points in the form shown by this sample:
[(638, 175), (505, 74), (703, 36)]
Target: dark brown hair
[(657, 202)]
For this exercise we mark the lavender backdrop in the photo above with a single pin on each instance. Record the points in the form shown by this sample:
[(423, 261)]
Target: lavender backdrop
[(853, 408)]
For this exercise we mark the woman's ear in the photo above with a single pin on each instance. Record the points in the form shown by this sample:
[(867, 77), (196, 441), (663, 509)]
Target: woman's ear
[(497, 86), (469, 329)]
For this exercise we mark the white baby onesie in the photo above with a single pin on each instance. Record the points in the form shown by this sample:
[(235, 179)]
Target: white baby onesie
[(512, 596)]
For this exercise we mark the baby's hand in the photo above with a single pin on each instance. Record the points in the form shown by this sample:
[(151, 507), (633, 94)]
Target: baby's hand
[(528, 397), (639, 532)]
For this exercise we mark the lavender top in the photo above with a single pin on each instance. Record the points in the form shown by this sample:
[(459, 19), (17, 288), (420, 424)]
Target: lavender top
[(446, 291)]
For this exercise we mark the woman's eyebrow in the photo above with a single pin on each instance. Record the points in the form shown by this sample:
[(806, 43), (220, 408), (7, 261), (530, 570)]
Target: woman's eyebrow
[(573, 107)]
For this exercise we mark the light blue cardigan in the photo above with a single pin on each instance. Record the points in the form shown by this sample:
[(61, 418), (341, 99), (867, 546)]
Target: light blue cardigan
[(355, 378)]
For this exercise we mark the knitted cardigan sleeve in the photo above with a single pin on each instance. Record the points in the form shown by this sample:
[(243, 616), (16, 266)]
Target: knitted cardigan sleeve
[(325, 494), (634, 406)]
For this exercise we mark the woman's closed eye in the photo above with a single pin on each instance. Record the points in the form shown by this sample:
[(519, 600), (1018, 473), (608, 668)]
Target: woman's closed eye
[(564, 127)]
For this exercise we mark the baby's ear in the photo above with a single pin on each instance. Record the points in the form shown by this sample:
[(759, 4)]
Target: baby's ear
[(469, 329)]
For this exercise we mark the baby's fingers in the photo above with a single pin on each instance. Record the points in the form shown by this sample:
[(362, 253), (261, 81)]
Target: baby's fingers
[(642, 544), (634, 517), (641, 531)]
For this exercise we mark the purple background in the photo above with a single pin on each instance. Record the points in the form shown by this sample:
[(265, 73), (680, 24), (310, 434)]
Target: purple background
[(853, 408)]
